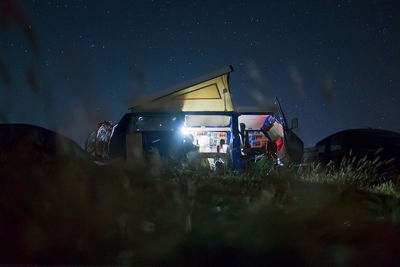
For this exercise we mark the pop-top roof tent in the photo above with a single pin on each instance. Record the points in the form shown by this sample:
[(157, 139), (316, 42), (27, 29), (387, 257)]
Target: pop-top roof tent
[(207, 93)]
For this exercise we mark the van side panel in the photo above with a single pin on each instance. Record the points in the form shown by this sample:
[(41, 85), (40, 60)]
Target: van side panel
[(134, 147)]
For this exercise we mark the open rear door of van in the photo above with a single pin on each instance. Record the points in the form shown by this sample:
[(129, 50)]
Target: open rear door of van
[(293, 144)]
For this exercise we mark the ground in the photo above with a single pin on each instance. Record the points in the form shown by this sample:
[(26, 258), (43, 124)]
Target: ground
[(78, 213)]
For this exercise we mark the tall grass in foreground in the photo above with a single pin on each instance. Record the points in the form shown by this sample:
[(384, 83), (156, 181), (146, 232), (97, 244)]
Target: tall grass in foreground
[(74, 213)]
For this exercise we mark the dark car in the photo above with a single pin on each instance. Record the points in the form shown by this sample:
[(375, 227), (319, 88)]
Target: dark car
[(36, 145), (361, 142)]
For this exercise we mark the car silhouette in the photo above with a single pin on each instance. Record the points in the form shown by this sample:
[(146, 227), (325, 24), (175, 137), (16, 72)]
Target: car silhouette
[(24, 143), (371, 143)]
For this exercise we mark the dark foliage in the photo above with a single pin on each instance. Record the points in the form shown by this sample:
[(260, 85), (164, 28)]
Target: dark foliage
[(56, 207)]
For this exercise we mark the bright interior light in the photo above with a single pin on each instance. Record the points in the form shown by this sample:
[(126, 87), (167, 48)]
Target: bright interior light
[(184, 130)]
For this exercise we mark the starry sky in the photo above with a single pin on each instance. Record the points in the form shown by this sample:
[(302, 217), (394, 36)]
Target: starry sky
[(65, 65)]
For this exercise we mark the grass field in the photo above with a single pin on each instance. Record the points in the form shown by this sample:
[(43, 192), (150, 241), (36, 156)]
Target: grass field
[(75, 213)]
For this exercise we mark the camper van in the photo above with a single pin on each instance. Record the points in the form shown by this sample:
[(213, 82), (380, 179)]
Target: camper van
[(198, 120)]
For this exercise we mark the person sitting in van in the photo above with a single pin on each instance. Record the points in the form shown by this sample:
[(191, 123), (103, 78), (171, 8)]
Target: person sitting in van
[(221, 148), (244, 139)]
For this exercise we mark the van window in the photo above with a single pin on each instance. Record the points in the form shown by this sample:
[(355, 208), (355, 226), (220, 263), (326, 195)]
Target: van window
[(156, 123)]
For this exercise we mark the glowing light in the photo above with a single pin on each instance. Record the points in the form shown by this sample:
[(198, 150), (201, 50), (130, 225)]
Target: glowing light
[(279, 144), (184, 130)]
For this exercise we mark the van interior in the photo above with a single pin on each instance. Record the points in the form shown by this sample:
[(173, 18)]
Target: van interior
[(209, 135)]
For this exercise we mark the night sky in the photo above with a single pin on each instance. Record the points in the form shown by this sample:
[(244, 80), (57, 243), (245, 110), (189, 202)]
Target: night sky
[(335, 65)]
